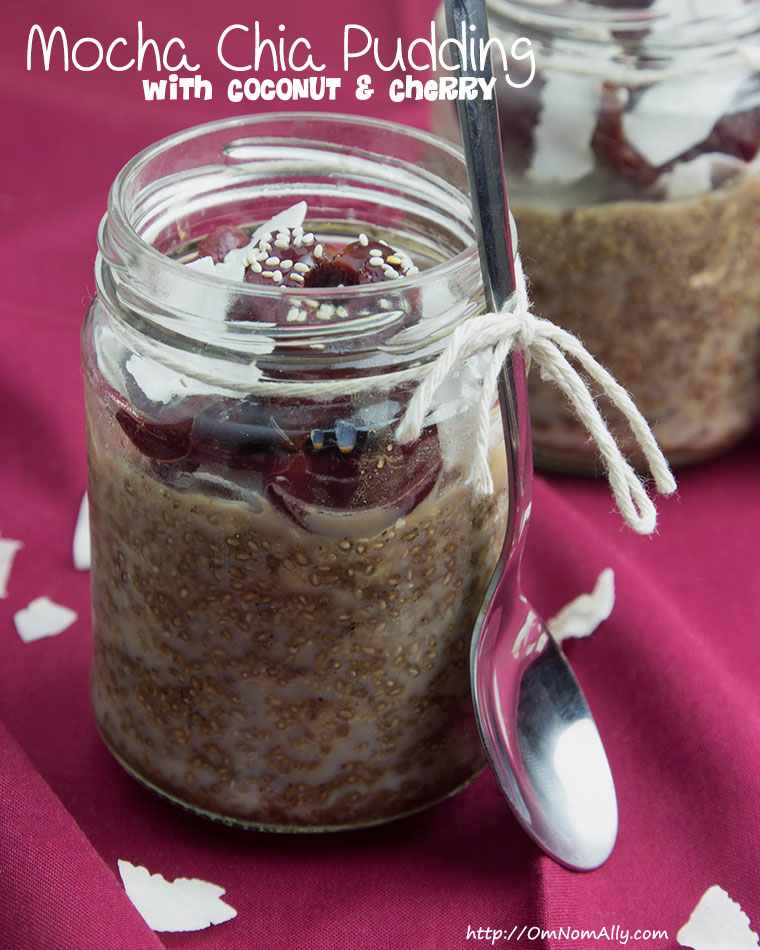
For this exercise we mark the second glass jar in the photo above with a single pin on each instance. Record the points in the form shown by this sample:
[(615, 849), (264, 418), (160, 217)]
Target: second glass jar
[(632, 169)]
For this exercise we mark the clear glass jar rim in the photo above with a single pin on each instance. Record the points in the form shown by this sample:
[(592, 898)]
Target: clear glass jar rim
[(130, 241)]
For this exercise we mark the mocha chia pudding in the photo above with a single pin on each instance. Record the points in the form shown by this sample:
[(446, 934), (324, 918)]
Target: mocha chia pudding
[(666, 295), (283, 593), (631, 142)]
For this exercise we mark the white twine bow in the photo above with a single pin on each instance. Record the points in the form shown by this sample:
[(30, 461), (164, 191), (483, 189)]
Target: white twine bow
[(549, 346)]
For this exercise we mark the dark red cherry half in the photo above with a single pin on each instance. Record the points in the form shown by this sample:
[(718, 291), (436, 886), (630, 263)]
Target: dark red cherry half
[(396, 478), (165, 442), (221, 241)]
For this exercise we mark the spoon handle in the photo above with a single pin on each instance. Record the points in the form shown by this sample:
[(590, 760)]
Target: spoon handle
[(481, 134), (478, 118)]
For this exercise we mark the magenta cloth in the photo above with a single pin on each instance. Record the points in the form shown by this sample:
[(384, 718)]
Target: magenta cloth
[(672, 676)]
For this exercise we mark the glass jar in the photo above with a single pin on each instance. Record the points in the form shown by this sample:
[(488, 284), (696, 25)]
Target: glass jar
[(283, 594), (631, 160)]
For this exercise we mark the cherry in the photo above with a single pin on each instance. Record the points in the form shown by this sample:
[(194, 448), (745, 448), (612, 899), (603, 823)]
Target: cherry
[(304, 463), (242, 435), (326, 479), (165, 442), (382, 476), (221, 241), (519, 112), (289, 256), (331, 272), (610, 146), (737, 135)]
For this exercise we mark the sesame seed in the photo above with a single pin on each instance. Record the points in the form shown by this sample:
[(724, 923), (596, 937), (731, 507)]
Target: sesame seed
[(277, 276), (363, 239), (297, 241), (282, 243), (296, 277), (393, 259), (318, 250), (341, 311), (308, 238), (286, 264), (301, 268), (413, 271), (256, 267), (272, 261), (376, 262), (267, 273), (390, 271)]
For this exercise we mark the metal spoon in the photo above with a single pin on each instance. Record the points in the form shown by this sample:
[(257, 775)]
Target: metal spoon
[(540, 738)]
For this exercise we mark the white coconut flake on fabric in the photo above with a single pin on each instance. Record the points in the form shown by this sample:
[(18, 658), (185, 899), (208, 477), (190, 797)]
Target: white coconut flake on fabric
[(583, 615), (42, 618), (174, 906), (80, 548), (8, 549), (676, 114), (562, 139), (718, 923)]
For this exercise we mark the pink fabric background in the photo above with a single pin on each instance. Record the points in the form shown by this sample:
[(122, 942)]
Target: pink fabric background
[(672, 677)]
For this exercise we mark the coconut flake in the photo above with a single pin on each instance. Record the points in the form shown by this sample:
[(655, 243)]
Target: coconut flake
[(698, 176), (676, 114), (292, 217), (562, 139), (583, 615), (81, 543), (162, 384), (8, 551), (237, 258), (42, 618), (717, 923), (174, 906), (232, 269), (204, 265)]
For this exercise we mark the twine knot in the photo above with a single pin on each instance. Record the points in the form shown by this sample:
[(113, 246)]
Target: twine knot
[(549, 345)]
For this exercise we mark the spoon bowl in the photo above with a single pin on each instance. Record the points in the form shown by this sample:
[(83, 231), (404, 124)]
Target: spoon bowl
[(537, 730)]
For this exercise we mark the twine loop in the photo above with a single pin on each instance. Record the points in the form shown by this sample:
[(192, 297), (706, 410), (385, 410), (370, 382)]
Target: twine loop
[(549, 346)]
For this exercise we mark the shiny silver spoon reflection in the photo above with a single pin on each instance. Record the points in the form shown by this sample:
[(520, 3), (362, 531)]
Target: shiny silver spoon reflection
[(540, 738)]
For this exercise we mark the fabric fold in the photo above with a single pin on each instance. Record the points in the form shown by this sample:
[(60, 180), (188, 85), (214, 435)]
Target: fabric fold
[(55, 891)]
